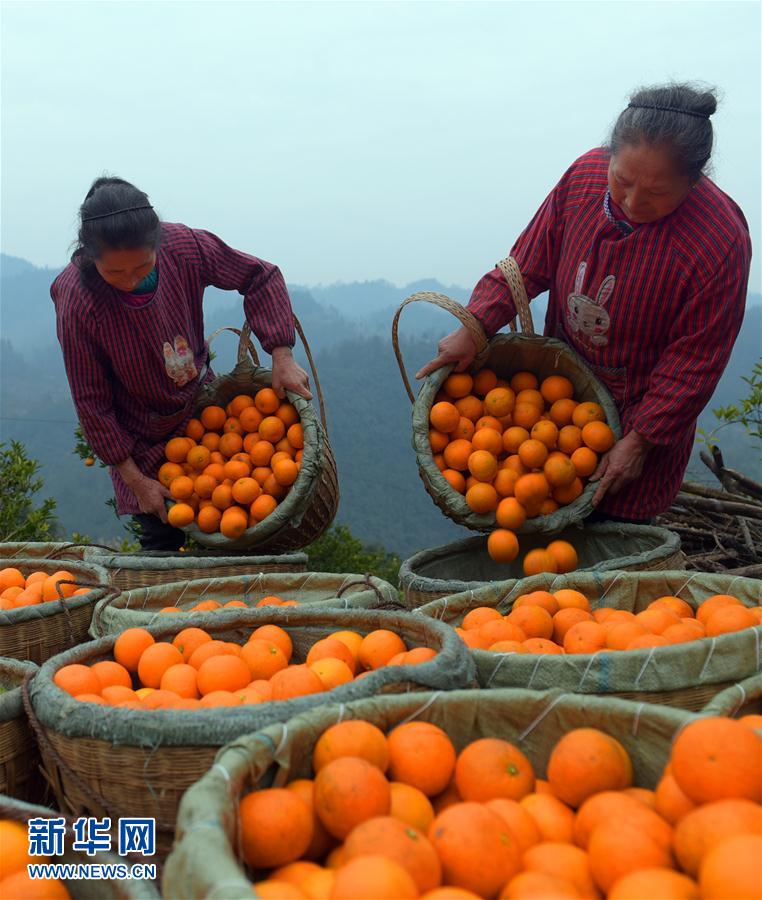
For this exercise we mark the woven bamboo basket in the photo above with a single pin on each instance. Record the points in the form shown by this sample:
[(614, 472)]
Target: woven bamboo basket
[(41, 550), (466, 565), (742, 699), (116, 761), (78, 888), (19, 757), (684, 675), (38, 632), (142, 606), (505, 354), (145, 569), (205, 861), (310, 506)]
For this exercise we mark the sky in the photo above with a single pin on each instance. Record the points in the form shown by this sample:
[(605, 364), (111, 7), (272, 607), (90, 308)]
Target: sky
[(349, 141)]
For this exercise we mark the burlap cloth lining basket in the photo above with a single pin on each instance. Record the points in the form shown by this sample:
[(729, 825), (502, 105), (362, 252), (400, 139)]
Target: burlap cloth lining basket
[(310, 506), (684, 675), (141, 606), (41, 549), (204, 863), (139, 762), (465, 565), (80, 889), (742, 699), (19, 756), (505, 354), (38, 632), (127, 571)]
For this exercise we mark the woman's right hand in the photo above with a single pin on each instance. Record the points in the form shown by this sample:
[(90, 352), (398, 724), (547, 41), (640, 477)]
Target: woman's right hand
[(458, 347), (151, 495)]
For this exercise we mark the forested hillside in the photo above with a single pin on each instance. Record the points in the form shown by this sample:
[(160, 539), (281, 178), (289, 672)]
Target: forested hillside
[(349, 329)]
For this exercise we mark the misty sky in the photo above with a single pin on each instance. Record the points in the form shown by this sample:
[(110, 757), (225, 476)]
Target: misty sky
[(349, 141)]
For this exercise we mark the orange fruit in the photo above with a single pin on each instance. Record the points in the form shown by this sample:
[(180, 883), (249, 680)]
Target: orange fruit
[(411, 806), (421, 755), (530, 395), (213, 418), (485, 380), (585, 461), (728, 619), (526, 415), (476, 848), (566, 494), (245, 491), (531, 489), (188, 640), (262, 507), (470, 408), (717, 759), (353, 737), (177, 449), (444, 417), (77, 679), (237, 468), (534, 621), (295, 681), (21, 885), (488, 439), (211, 440), (180, 679), (479, 615), (154, 662), (458, 385), (556, 387), (199, 458), (223, 673), (587, 412), (561, 412), (275, 827), (167, 474), (564, 555), (181, 488), (665, 884), (554, 819), (524, 381), (675, 604), (520, 824), (130, 645), (538, 598), (348, 791), (457, 453), (563, 861), (564, 619), (374, 877), (585, 761), (249, 420), (530, 885), (513, 438), (455, 480), (671, 802), (585, 637), (545, 432), (481, 498), (208, 519), (620, 847), (490, 422), (490, 768), (614, 806), (570, 440), (598, 436), (533, 454), (399, 842), (701, 829), (482, 465), (569, 598), (438, 440), (261, 453), (503, 545), (233, 523), (204, 485), (621, 634), (263, 659), (267, 401), (499, 402), (110, 673), (180, 515), (539, 560), (378, 647), (272, 429), (711, 604), (285, 472), (510, 513), (732, 869)]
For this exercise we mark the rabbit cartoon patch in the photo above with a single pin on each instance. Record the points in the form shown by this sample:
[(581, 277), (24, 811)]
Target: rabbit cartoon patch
[(587, 318), (179, 361)]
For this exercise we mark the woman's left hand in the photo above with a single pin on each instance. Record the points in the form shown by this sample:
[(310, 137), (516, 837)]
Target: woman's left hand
[(622, 464), (288, 375)]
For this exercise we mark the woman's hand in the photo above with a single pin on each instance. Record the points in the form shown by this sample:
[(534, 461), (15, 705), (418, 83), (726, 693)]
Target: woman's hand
[(151, 495), (622, 464), (458, 347), (288, 375)]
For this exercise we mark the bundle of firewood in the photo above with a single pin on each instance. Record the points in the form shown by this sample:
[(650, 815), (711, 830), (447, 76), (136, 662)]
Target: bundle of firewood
[(720, 528)]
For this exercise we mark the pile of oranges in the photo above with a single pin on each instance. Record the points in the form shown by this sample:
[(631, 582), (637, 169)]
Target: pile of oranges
[(195, 671), (14, 877), (18, 590), (563, 622), (517, 449), (405, 815), (213, 605), (234, 465)]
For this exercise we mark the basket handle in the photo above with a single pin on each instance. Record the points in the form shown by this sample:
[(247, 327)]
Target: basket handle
[(512, 274), (467, 319), (244, 342)]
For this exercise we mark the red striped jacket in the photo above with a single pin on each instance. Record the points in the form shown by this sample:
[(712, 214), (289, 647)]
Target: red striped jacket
[(655, 313), (135, 371)]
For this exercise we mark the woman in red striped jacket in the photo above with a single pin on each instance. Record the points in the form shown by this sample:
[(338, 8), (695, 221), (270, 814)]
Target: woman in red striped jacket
[(646, 262), (131, 326)]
